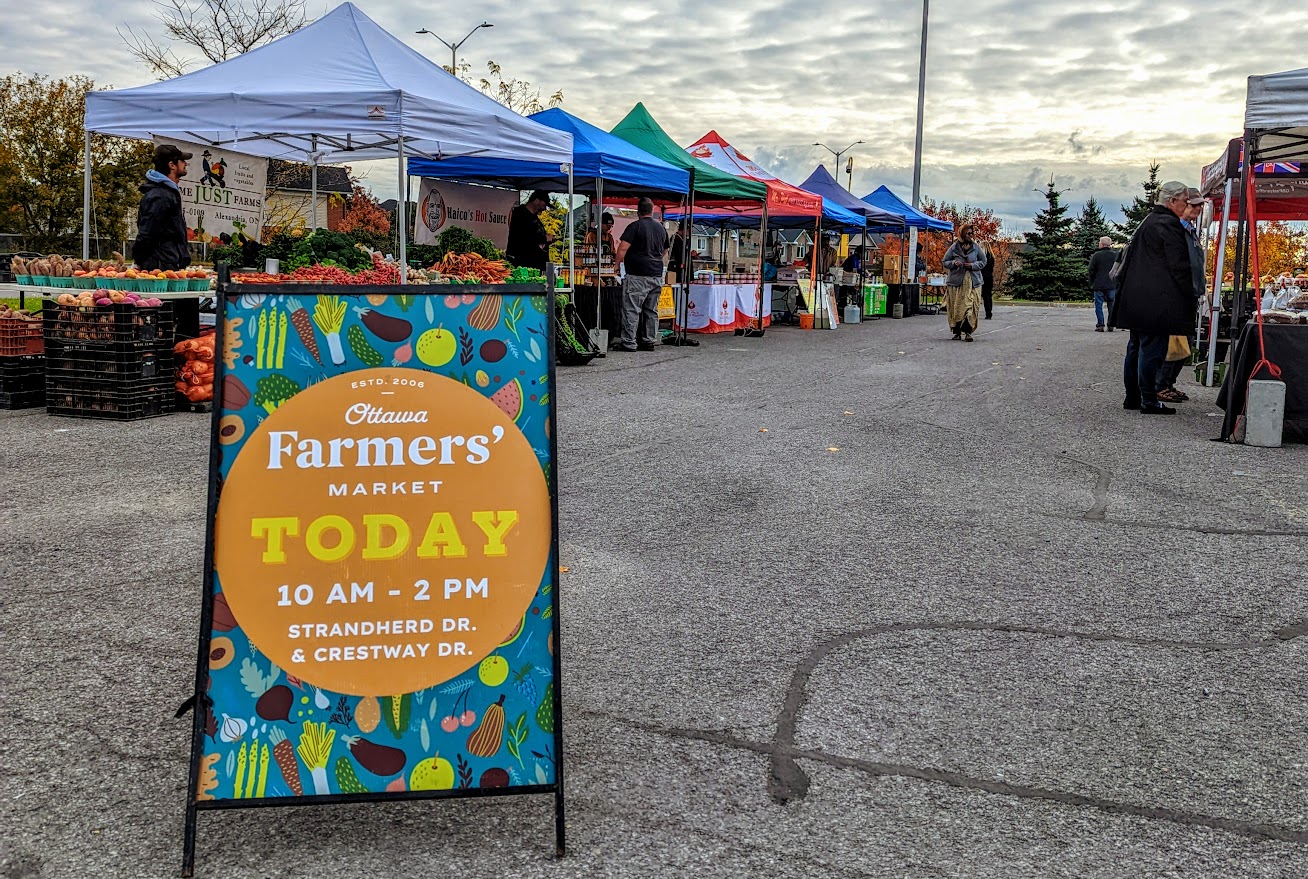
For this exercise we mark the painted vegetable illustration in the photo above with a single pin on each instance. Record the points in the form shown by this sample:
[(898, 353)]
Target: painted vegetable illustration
[(235, 393), (367, 714), (232, 728), (251, 772), (395, 711), (270, 352), (383, 326), (304, 327), (274, 390), (436, 347), (346, 781), (378, 759), (494, 777), (508, 398), (284, 755), (545, 713), (434, 773), (276, 703), (487, 738), (487, 313), (369, 355), (208, 779), (315, 749), (329, 317), (232, 340)]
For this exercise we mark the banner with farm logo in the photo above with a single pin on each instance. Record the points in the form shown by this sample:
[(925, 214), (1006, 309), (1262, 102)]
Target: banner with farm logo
[(382, 620), (481, 210), (222, 193)]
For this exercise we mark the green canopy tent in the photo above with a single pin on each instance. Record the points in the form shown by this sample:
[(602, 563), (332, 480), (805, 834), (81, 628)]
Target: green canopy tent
[(709, 187)]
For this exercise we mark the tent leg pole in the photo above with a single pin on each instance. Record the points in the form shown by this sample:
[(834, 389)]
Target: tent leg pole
[(599, 253), (572, 243), (86, 199), (402, 212), (762, 253), (687, 264), (1218, 273), (313, 180)]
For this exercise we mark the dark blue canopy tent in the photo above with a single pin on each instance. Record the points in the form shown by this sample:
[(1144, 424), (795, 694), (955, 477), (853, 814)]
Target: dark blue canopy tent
[(820, 182)]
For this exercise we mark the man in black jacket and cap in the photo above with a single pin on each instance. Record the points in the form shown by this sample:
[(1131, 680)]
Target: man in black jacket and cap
[(161, 241), (1155, 297)]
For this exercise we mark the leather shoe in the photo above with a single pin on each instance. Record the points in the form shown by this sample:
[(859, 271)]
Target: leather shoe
[(622, 349), (643, 346), (1160, 409), (1130, 404), (1099, 329)]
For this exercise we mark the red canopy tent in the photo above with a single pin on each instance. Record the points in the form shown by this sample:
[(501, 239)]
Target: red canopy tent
[(783, 199), (1280, 188)]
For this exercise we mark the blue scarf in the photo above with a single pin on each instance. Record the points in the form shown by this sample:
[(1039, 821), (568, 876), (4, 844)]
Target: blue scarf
[(155, 177)]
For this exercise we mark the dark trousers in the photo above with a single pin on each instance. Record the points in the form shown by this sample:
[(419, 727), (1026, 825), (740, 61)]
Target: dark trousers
[(988, 298), (1169, 373), (1145, 356)]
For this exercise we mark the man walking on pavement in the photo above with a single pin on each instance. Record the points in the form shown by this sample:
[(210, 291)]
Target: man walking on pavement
[(641, 250), (1101, 281), (160, 226), (1155, 297)]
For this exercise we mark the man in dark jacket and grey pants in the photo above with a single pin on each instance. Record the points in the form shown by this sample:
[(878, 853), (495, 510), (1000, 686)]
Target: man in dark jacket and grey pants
[(1101, 282), (1155, 297), (160, 227)]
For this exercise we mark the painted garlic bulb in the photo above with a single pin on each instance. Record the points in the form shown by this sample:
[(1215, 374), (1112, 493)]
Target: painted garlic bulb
[(232, 728)]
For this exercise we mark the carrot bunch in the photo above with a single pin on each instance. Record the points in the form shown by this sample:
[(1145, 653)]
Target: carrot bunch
[(473, 267), (195, 373)]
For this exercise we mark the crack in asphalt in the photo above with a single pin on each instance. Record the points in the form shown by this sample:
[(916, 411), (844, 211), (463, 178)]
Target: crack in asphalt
[(787, 782), (1216, 530)]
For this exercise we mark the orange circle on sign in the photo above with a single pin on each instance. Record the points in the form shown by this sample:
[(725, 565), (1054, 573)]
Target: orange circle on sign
[(382, 532)]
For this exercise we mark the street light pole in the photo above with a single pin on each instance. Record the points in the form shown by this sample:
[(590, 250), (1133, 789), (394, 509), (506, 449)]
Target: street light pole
[(917, 147), (454, 47), (840, 153)]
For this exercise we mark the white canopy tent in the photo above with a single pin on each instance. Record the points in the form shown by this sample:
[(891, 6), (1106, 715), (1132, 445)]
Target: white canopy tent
[(341, 89), (1276, 113)]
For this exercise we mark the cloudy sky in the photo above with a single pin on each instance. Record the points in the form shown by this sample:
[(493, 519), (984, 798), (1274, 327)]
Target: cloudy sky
[(1017, 90)]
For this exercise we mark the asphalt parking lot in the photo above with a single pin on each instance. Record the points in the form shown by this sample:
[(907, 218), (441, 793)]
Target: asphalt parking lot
[(870, 603)]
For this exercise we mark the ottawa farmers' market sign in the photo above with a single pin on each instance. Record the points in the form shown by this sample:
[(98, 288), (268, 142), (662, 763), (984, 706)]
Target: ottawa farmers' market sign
[(222, 193), (380, 613)]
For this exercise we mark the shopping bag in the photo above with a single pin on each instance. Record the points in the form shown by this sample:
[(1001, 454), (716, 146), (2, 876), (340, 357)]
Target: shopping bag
[(1178, 348)]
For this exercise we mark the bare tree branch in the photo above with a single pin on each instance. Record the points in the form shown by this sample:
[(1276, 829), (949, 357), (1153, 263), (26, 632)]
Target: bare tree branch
[(216, 29)]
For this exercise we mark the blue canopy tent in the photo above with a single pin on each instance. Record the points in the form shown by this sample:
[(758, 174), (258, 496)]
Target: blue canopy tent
[(886, 200), (602, 164), (596, 156)]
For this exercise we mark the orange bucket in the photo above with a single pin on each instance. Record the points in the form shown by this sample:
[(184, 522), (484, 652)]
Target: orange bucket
[(806, 321)]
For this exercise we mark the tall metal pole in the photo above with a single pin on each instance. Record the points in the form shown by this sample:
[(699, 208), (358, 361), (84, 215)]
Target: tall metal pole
[(313, 179), (401, 196), (1215, 306), (86, 200), (917, 147)]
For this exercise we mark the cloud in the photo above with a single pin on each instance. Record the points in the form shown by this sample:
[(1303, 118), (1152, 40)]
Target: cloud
[(1014, 87)]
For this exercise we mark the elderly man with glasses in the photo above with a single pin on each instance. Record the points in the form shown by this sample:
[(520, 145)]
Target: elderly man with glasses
[(1155, 296)]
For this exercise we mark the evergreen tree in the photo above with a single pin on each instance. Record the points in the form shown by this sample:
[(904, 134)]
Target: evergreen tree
[(1051, 269), (1090, 226), (1140, 207)]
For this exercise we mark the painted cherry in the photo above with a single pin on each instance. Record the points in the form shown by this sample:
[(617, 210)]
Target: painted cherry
[(469, 717), (450, 723)]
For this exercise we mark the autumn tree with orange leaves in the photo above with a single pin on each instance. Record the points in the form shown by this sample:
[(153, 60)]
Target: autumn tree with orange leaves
[(1281, 248), (365, 219), (986, 228)]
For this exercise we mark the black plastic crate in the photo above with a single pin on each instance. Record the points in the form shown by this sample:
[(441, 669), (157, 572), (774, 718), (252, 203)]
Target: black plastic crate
[(22, 399), (114, 364), (22, 374), (121, 405), (107, 324)]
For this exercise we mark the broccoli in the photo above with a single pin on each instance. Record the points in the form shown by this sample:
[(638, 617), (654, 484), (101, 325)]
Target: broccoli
[(274, 390)]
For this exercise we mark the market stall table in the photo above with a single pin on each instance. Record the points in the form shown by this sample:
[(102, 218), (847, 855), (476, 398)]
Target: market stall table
[(1287, 347), (722, 308)]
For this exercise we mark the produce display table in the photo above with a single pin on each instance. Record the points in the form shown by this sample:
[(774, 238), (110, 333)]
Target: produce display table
[(723, 308), (1287, 347)]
